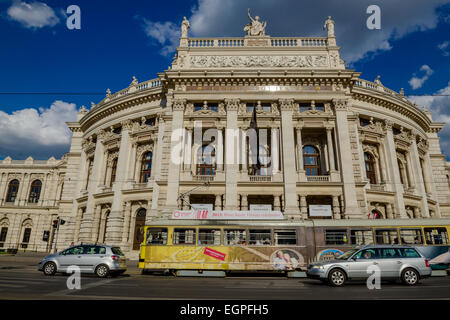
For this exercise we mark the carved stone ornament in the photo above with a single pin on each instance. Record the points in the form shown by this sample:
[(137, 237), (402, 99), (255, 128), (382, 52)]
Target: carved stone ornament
[(141, 149), (304, 61), (179, 104), (404, 136), (373, 126), (232, 104), (286, 104), (127, 124), (340, 104), (371, 149), (111, 157)]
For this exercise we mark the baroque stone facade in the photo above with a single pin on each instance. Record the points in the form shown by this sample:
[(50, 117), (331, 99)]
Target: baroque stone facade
[(326, 137)]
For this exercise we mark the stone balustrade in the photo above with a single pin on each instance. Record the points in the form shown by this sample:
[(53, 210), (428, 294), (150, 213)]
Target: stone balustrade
[(241, 42), (318, 178)]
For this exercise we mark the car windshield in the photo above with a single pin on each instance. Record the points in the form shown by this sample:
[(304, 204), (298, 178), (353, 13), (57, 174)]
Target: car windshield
[(347, 254)]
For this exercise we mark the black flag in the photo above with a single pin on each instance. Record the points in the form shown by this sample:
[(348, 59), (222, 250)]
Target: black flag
[(254, 125)]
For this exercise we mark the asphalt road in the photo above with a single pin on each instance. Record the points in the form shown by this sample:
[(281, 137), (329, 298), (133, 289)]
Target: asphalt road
[(26, 282)]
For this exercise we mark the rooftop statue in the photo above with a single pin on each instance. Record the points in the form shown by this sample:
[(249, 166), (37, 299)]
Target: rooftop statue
[(256, 27), (185, 25), (329, 25)]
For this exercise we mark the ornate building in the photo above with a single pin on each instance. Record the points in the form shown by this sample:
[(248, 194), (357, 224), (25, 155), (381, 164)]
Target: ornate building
[(326, 137)]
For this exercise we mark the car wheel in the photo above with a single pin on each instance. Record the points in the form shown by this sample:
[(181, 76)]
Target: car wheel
[(102, 271), (337, 277), (410, 277), (49, 269)]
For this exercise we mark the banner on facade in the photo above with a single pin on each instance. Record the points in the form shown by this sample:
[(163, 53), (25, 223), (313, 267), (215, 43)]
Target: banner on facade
[(320, 210), (260, 207), (226, 215)]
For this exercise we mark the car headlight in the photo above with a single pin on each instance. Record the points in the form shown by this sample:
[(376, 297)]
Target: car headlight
[(317, 267)]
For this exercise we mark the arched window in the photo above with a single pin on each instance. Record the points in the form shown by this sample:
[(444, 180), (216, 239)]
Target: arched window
[(311, 160), (264, 161), (146, 166), (370, 167), (13, 188), (113, 171), (138, 228), (375, 214), (35, 191), (206, 161)]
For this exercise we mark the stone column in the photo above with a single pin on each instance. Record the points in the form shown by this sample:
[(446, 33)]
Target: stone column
[(336, 209), (219, 160), (116, 217), (188, 150), (393, 164), (274, 152), (429, 179), (389, 212), (78, 219), (346, 161), (176, 149), (290, 179), (409, 171), (231, 155), (303, 207), (4, 180), (382, 161), (243, 151), (126, 223), (416, 212), (419, 177), (300, 164), (23, 195), (244, 202), (218, 202), (131, 168), (330, 149), (276, 202), (86, 223), (96, 223)]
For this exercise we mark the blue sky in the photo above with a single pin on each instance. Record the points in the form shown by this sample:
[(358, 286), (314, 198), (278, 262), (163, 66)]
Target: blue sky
[(121, 39)]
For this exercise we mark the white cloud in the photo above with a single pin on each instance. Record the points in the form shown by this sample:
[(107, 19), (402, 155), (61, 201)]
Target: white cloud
[(211, 18), (416, 82), (439, 106), (32, 15), (443, 47), (40, 133), (166, 33)]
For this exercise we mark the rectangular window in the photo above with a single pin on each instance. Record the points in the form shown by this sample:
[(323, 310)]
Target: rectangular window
[(26, 235), (198, 106), (436, 235), (386, 236), (3, 234), (209, 237), (156, 236), (411, 236), (305, 107), (234, 237), (409, 253), (336, 237), (213, 107), (285, 237), (260, 237), (184, 236), (361, 237), (250, 107), (266, 107), (390, 253)]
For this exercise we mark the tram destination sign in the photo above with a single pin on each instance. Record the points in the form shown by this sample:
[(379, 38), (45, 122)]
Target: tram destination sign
[(226, 215)]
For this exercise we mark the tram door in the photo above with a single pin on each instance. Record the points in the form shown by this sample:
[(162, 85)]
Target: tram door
[(139, 228)]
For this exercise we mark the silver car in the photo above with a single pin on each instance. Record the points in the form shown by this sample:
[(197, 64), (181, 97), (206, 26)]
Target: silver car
[(103, 260), (395, 262)]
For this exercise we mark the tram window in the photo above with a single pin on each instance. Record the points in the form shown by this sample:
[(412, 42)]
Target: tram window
[(335, 236), (183, 236), (411, 236), (156, 236), (209, 237), (285, 237), (260, 237), (386, 236), (436, 235), (234, 237), (361, 237)]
